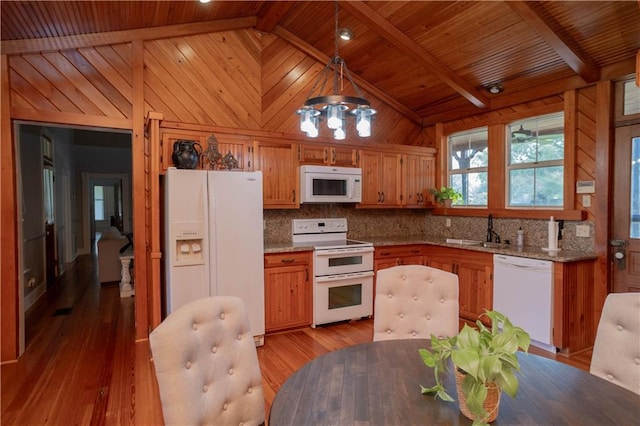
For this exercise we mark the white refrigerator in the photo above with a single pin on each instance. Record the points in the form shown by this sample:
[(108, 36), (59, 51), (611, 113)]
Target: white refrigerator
[(214, 239)]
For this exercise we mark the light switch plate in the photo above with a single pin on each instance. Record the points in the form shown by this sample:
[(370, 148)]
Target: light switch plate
[(447, 222), (582, 231)]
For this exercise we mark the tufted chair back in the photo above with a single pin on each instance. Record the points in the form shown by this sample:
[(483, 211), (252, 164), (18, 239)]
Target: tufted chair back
[(616, 352), (414, 301), (207, 365)]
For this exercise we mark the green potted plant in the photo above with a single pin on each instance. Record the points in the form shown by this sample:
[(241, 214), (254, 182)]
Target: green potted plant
[(485, 361), (446, 193)]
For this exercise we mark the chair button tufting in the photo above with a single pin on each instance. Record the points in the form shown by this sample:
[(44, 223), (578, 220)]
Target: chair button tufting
[(222, 315), (441, 300), (188, 365), (413, 333), (619, 328), (610, 377), (430, 280), (231, 371), (389, 295), (403, 277), (194, 326), (214, 349), (225, 406), (250, 390), (389, 331), (415, 297), (637, 361), (401, 315), (428, 317), (239, 336), (205, 388)]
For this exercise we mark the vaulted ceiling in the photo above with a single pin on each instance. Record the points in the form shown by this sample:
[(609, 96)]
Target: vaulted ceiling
[(430, 60)]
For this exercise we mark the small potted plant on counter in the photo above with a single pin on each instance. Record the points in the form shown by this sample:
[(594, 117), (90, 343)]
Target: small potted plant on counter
[(485, 363), (446, 195)]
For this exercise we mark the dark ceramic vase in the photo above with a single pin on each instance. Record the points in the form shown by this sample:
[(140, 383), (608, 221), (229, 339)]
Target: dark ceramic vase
[(186, 154)]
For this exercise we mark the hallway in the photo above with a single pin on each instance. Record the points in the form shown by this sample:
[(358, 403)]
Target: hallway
[(79, 366)]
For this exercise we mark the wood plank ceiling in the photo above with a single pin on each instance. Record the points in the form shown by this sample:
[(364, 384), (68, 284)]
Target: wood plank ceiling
[(430, 60)]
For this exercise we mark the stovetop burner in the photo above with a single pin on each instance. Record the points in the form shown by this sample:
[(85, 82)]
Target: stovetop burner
[(324, 233)]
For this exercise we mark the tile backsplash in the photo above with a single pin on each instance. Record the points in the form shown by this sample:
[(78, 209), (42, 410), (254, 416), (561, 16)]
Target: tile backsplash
[(397, 222)]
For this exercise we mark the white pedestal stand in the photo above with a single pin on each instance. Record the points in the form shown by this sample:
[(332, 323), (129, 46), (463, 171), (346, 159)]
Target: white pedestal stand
[(126, 287)]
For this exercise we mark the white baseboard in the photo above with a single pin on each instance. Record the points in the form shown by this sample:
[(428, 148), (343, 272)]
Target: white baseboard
[(33, 297)]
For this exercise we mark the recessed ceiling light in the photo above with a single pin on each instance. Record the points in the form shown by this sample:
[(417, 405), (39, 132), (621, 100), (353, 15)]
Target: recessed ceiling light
[(494, 88), (345, 34), (204, 1)]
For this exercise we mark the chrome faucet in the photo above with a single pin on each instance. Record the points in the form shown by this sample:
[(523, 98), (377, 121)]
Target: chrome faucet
[(490, 229)]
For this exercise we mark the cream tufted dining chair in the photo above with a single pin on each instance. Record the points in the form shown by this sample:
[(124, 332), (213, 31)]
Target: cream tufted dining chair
[(207, 366), (616, 352), (414, 301)]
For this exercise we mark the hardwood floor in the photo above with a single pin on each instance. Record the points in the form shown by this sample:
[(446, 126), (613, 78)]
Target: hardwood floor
[(83, 366)]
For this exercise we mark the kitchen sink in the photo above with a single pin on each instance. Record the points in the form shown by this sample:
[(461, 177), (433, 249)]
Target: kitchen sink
[(496, 245), (464, 242)]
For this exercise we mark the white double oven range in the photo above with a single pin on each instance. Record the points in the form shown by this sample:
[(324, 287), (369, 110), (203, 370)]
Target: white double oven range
[(342, 269)]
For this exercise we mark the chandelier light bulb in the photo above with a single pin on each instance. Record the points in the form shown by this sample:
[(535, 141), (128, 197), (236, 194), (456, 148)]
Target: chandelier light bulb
[(339, 134), (334, 116)]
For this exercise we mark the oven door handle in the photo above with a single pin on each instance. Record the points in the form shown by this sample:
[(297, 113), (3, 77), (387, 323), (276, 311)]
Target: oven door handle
[(342, 277), (332, 252)]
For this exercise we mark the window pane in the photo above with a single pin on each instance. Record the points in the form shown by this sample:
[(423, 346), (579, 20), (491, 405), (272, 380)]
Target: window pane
[(635, 189), (469, 149), (472, 186), (98, 202), (537, 187), (537, 139)]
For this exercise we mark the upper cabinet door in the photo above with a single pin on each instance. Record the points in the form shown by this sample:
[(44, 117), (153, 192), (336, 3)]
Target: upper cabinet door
[(222, 152), (280, 173), (381, 178), (328, 155), (418, 178)]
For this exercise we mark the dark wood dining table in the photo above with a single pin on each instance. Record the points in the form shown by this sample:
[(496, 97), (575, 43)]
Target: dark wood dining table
[(378, 383)]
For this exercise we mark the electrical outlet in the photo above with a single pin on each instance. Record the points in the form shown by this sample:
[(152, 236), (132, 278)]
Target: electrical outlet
[(447, 222), (586, 201), (582, 231)]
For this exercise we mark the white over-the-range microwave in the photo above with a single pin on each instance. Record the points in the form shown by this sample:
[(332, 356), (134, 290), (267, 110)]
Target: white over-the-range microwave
[(327, 184)]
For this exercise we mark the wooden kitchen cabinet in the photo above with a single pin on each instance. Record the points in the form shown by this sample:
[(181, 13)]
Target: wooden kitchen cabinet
[(418, 178), (386, 257), (328, 155), (381, 179), (288, 291), (238, 146), (475, 277), (279, 165)]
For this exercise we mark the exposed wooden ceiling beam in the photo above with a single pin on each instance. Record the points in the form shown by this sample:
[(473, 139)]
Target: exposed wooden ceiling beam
[(50, 44), (584, 66), (270, 14), (321, 57), (400, 40)]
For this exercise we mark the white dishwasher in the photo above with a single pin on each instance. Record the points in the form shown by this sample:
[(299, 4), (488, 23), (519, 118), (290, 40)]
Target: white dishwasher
[(523, 291)]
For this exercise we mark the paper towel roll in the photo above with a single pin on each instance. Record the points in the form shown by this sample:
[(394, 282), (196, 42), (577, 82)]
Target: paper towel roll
[(553, 234)]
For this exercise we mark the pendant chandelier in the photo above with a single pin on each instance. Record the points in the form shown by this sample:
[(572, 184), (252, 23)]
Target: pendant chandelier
[(335, 107)]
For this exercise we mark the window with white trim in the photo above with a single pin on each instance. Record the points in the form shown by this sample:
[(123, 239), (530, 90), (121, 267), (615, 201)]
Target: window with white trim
[(468, 165), (535, 162)]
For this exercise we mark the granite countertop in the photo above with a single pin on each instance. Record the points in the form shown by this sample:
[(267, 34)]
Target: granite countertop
[(510, 249)]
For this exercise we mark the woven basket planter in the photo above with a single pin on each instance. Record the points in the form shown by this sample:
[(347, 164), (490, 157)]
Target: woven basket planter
[(491, 403)]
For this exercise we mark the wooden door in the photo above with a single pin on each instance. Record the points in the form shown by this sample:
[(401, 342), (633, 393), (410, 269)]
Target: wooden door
[(391, 179), (418, 178), (279, 165), (370, 164), (288, 296), (342, 156), (625, 240)]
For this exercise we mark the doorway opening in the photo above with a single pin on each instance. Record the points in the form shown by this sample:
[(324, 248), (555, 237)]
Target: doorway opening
[(54, 223)]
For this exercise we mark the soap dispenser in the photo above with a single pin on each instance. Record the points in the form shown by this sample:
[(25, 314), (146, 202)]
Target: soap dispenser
[(520, 238)]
